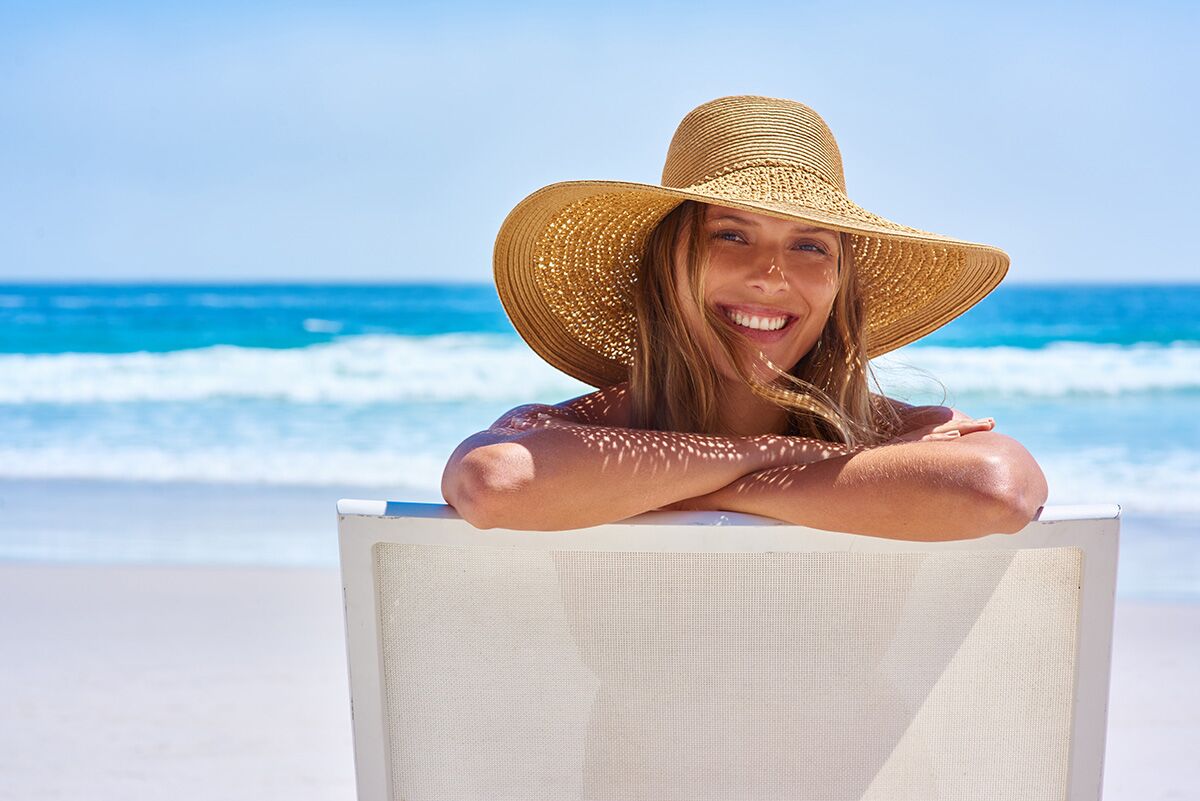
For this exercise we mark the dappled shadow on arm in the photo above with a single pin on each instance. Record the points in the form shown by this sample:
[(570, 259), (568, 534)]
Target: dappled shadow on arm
[(600, 423)]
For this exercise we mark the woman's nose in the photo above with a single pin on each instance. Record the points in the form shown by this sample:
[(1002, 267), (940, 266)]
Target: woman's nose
[(769, 277)]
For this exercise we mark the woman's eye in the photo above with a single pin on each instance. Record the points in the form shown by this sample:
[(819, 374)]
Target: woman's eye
[(734, 236), (815, 247)]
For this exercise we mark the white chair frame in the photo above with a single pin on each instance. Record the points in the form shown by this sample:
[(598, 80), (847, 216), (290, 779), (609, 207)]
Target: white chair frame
[(364, 524)]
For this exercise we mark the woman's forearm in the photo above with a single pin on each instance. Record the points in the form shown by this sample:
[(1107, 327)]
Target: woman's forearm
[(979, 484), (573, 475)]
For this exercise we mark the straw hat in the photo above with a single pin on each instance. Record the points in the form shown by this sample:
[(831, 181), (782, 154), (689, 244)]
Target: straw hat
[(566, 256)]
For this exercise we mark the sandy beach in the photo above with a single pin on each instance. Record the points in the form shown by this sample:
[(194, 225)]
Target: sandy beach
[(173, 682), (136, 681)]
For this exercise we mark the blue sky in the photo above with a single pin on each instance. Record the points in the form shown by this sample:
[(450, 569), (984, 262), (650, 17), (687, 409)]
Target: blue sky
[(370, 142)]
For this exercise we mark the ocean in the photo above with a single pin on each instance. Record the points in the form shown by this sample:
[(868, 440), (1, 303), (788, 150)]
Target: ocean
[(301, 388)]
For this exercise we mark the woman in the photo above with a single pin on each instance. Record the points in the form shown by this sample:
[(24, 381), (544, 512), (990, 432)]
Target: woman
[(727, 318)]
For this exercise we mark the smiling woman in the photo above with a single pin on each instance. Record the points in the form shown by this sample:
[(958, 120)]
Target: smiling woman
[(756, 294), (728, 318)]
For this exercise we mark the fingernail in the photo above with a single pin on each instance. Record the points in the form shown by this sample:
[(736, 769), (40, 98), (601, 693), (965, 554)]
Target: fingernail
[(953, 434), (988, 420)]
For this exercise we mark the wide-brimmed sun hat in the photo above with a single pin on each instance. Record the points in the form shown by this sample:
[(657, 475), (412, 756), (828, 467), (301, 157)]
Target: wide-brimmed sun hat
[(566, 256)]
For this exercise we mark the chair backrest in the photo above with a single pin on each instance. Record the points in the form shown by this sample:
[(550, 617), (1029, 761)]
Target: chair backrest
[(718, 656)]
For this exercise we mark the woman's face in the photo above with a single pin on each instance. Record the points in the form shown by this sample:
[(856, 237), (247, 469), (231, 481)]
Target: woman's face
[(772, 281)]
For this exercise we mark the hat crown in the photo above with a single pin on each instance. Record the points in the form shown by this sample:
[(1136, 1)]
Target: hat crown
[(731, 133)]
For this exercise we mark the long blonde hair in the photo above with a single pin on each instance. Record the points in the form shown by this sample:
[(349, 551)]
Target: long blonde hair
[(674, 385)]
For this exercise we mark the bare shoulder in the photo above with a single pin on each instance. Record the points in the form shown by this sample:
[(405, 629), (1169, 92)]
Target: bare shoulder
[(604, 407)]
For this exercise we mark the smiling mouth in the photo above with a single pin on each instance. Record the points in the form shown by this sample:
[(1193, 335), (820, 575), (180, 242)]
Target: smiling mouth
[(757, 322)]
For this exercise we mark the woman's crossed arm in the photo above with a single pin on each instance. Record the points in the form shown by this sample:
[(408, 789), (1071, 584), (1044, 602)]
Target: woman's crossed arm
[(921, 486), (550, 468), (982, 483)]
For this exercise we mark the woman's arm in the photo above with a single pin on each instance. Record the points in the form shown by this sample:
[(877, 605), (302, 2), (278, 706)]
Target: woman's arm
[(980, 483), (553, 468)]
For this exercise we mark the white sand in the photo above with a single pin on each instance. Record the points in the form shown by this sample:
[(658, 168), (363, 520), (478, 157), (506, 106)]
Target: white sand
[(173, 683), (191, 682)]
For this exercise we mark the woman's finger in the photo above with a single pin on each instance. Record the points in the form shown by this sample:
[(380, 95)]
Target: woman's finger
[(973, 424), (957, 428)]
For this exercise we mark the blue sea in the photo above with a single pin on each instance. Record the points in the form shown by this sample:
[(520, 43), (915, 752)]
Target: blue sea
[(139, 391)]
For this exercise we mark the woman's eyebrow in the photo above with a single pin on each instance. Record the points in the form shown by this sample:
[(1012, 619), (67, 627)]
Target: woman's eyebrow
[(804, 229)]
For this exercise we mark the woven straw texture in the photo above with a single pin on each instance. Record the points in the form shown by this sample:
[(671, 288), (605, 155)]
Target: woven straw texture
[(566, 257)]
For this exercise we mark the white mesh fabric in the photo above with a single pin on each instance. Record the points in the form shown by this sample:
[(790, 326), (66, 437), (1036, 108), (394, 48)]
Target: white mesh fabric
[(524, 674)]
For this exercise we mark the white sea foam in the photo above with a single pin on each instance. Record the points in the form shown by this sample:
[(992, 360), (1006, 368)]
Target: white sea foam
[(1168, 483), (389, 368), (320, 326), (362, 369), (1061, 369), (415, 472), (122, 301)]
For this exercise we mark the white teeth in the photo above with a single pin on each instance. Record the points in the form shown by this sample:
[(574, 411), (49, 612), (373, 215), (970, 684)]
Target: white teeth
[(756, 322)]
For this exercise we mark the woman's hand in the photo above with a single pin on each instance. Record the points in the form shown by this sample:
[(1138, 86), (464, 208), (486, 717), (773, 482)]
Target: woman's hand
[(934, 423), (987, 484), (931, 426), (952, 429)]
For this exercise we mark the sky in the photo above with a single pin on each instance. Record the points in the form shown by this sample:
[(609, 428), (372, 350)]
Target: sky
[(387, 142)]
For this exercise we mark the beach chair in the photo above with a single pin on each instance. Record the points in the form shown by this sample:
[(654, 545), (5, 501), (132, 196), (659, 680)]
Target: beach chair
[(707, 656)]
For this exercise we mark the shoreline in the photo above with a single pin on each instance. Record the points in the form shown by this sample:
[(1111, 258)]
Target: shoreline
[(107, 522)]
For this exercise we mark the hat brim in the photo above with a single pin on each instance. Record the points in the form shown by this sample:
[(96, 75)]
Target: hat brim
[(564, 258)]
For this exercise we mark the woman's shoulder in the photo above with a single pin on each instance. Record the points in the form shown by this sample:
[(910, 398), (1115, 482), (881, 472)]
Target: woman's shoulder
[(608, 406), (604, 407)]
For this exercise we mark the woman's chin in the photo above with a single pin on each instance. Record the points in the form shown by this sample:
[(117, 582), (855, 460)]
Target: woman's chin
[(759, 365), (766, 369), (760, 373)]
